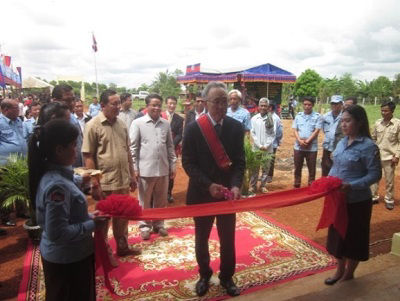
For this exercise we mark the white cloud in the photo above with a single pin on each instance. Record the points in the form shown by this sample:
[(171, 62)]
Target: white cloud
[(138, 39)]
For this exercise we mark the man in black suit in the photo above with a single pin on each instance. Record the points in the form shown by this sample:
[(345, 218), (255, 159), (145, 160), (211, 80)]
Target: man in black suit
[(208, 182), (176, 123), (198, 110)]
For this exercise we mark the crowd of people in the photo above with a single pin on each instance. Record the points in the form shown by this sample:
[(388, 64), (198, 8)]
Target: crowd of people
[(139, 150)]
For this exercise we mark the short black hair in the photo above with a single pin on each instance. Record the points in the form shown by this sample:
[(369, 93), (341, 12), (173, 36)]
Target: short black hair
[(125, 96), (308, 98), (151, 96), (105, 95), (390, 104), (352, 98), (52, 110), (59, 90), (172, 97), (34, 104)]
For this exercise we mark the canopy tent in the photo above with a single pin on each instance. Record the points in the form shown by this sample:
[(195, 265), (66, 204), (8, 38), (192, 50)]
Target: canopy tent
[(263, 73), (33, 82)]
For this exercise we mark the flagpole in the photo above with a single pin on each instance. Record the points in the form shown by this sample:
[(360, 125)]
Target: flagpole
[(95, 69)]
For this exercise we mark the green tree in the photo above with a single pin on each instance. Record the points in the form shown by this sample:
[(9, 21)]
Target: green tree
[(307, 84), (328, 87), (363, 89), (143, 87), (381, 87), (287, 91), (348, 85), (166, 85), (396, 86)]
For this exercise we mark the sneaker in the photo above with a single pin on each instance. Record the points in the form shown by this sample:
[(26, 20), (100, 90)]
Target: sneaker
[(145, 235), (264, 190), (170, 199), (161, 231), (375, 199), (389, 206), (269, 179)]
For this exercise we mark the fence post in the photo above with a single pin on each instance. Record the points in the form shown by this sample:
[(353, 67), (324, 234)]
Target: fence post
[(375, 100), (363, 100)]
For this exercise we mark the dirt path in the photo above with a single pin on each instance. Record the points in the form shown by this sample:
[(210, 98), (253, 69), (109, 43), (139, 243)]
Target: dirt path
[(303, 218)]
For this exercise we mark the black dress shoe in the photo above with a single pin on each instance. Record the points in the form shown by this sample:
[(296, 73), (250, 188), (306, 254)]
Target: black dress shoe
[(230, 287), (202, 286), (331, 281)]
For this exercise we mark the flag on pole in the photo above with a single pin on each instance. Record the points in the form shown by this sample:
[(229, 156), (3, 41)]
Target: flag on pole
[(94, 45)]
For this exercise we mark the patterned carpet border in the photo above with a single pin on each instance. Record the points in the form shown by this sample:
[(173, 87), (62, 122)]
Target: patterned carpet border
[(258, 272)]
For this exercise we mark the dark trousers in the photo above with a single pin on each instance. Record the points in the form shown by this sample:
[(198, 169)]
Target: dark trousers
[(72, 281), (272, 165), (170, 186), (311, 159), (226, 231), (326, 162)]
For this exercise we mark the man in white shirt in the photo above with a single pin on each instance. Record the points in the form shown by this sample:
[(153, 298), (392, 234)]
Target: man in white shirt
[(82, 117), (154, 161), (263, 134)]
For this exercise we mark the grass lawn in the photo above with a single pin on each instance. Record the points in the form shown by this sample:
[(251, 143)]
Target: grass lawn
[(373, 112)]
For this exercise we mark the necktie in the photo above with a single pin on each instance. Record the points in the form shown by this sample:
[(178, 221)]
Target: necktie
[(218, 129)]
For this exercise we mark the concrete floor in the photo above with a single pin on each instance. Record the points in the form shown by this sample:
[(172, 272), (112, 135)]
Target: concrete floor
[(375, 280)]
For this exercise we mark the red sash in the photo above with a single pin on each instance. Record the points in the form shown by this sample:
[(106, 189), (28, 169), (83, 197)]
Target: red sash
[(214, 143), (164, 115)]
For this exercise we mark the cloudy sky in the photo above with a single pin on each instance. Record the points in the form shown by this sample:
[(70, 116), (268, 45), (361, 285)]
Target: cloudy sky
[(138, 39)]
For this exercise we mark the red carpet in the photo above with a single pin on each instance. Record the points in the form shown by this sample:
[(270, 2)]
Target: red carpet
[(267, 254)]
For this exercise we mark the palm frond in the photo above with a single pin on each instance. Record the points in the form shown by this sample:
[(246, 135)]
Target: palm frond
[(14, 181)]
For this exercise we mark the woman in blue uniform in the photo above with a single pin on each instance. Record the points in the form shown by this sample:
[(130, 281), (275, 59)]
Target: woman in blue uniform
[(356, 162), (67, 244)]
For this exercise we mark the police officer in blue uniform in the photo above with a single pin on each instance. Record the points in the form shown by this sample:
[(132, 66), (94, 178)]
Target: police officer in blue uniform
[(357, 163), (330, 123), (306, 126), (11, 142)]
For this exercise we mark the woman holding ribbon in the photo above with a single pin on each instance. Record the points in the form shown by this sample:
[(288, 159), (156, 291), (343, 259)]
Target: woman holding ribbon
[(356, 162), (66, 246)]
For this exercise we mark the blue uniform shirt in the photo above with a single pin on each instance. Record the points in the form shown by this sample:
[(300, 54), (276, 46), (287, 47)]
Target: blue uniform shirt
[(12, 139), (94, 109), (28, 126), (329, 126), (278, 130), (79, 141), (241, 115), (62, 212), (305, 124), (359, 165)]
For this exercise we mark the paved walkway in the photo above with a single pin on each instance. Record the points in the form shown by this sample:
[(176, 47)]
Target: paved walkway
[(376, 279)]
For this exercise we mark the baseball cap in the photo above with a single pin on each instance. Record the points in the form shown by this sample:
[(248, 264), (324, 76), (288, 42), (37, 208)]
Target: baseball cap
[(336, 98)]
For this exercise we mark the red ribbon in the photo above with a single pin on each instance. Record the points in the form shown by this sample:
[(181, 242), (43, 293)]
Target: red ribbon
[(214, 143), (335, 205), (334, 211)]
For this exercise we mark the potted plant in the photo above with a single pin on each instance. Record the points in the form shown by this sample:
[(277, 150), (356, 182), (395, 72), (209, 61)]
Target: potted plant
[(14, 189), (254, 160)]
